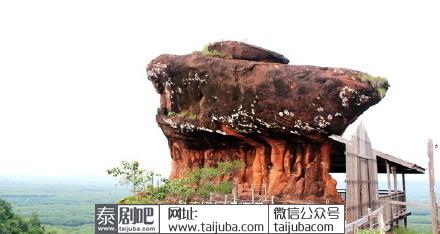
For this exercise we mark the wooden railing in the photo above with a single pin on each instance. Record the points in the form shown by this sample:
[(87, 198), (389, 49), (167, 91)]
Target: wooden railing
[(393, 212), (343, 193), (393, 204), (373, 220)]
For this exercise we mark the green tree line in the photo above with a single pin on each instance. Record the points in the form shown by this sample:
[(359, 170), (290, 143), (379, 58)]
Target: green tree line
[(11, 223)]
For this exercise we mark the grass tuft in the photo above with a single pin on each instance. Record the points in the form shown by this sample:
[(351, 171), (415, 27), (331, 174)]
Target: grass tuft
[(183, 114), (187, 115), (212, 53), (398, 230)]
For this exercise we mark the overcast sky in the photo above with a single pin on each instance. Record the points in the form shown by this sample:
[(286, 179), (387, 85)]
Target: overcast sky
[(75, 100)]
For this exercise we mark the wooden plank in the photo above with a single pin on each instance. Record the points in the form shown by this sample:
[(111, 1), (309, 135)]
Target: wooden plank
[(381, 222), (385, 156), (364, 187), (388, 178), (356, 176), (422, 205), (361, 142), (399, 161), (394, 172), (370, 220), (361, 175), (339, 139), (389, 214), (403, 183), (363, 220), (372, 175), (432, 188), (405, 220), (352, 188)]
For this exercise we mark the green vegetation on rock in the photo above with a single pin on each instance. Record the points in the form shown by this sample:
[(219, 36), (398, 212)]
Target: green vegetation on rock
[(196, 184), (212, 53), (183, 114), (275, 125), (187, 115), (379, 83)]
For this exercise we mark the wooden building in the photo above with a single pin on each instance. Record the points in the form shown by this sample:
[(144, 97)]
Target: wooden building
[(361, 164)]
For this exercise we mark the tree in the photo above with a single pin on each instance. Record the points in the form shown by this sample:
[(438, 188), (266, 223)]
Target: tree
[(34, 219), (14, 224), (130, 173)]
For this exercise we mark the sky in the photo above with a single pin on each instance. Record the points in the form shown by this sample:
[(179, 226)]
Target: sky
[(75, 100)]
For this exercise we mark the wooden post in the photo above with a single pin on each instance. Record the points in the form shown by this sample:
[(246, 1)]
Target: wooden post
[(395, 197), (405, 220), (394, 170), (388, 178), (272, 199), (352, 195), (226, 199), (434, 209), (381, 222), (403, 182), (390, 207), (370, 219)]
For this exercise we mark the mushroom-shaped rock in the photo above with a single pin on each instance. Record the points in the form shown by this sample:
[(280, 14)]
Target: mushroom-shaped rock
[(250, 105)]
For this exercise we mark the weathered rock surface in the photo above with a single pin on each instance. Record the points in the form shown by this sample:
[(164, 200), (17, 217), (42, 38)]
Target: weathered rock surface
[(274, 117), (240, 50)]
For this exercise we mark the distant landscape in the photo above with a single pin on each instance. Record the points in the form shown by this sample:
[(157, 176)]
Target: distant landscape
[(62, 204), (67, 204)]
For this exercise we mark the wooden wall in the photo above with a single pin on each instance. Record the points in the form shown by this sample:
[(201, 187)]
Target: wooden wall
[(361, 176)]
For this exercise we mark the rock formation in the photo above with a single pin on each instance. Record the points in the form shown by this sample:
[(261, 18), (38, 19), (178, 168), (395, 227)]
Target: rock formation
[(238, 101)]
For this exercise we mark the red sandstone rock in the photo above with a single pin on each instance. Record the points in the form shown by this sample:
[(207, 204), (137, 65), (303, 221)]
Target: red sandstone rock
[(274, 117), (240, 50)]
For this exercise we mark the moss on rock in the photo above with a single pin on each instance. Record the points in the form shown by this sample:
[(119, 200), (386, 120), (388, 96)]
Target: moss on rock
[(213, 53), (379, 83)]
